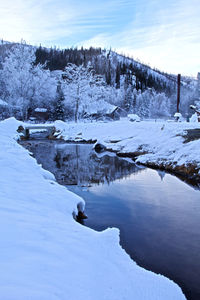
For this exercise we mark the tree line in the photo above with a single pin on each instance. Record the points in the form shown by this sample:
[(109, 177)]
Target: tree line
[(82, 83)]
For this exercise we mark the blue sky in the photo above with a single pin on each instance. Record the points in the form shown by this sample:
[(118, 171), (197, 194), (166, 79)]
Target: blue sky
[(162, 33)]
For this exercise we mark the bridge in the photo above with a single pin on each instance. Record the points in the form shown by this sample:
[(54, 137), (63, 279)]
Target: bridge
[(25, 130)]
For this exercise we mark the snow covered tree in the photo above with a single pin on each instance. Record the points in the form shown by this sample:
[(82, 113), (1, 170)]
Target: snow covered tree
[(82, 88), (17, 77), (142, 106), (159, 105), (25, 85), (59, 110), (77, 81)]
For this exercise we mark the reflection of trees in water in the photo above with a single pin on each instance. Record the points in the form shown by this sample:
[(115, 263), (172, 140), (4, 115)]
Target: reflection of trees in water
[(78, 164)]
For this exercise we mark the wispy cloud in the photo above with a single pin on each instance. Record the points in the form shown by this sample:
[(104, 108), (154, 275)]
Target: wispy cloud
[(166, 37), (48, 20), (31, 20), (162, 33)]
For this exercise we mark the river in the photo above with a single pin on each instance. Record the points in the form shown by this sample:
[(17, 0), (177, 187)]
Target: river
[(158, 214)]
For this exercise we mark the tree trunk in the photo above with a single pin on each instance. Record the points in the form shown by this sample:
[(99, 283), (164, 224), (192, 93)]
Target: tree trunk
[(77, 105)]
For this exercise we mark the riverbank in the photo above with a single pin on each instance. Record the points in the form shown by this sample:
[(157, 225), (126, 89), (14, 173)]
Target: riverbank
[(169, 146), (45, 254)]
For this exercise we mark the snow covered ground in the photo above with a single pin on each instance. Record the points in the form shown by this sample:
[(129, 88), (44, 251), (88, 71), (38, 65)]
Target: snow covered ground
[(161, 143), (44, 253)]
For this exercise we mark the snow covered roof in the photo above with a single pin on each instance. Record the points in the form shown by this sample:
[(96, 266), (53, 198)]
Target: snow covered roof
[(3, 103), (40, 109), (101, 107)]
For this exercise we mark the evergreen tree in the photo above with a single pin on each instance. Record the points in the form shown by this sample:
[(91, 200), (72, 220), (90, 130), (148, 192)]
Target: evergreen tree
[(59, 112), (117, 78)]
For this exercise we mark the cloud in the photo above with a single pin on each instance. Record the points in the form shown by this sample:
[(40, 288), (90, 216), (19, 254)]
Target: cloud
[(47, 20), (162, 33), (166, 37), (32, 21)]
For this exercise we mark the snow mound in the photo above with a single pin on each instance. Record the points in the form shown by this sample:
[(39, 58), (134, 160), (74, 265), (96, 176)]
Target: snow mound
[(194, 118), (134, 118)]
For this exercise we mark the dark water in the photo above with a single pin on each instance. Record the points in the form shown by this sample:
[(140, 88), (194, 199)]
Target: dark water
[(157, 214)]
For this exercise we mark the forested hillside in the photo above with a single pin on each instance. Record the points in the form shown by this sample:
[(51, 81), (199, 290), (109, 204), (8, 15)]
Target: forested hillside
[(85, 83)]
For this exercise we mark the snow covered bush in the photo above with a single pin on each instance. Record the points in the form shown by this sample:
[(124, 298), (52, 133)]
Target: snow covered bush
[(25, 85), (150, 104)]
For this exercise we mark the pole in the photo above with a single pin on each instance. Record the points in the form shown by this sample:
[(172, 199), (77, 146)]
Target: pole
[(178, 91)]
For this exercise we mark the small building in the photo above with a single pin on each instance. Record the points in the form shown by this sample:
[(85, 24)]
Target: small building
[(101, 110), (122, 112), (113, 113), (40, 114)]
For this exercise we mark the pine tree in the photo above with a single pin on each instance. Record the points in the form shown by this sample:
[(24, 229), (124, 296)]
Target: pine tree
[(59, 113), (117, 78)]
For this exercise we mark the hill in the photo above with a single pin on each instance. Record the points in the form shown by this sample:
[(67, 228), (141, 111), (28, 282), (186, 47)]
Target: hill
[(87, 77)]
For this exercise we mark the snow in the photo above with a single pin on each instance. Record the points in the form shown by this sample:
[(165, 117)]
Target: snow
[(3, 103), (194, 118), (134, 118), (100, 107), (123, 59), (178, 115), (45, 254), (40, 109), (192, 107), (162, 140)]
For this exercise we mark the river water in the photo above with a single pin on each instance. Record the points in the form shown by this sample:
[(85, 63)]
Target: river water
[(158, 214)]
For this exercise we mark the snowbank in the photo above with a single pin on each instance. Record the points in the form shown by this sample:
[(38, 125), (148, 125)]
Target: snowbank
[(45, 254), (153, 143)]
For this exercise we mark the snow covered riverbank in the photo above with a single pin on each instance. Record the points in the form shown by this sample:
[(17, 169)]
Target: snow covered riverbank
[(46, 254), (155, 144)]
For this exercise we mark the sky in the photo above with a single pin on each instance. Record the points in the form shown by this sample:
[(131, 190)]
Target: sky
[(162, 33)]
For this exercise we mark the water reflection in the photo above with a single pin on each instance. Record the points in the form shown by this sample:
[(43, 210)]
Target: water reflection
[(74, 164)]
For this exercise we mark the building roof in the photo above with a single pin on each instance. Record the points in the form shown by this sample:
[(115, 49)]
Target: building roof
[(40, 109), (3, 103)]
